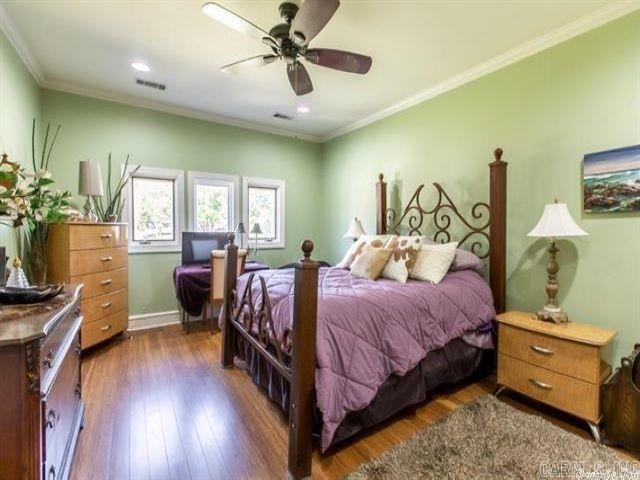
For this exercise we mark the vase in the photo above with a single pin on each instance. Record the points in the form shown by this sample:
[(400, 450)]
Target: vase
[(32, 250)]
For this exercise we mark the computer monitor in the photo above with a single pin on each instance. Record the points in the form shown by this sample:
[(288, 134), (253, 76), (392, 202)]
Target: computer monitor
[(197, 246)]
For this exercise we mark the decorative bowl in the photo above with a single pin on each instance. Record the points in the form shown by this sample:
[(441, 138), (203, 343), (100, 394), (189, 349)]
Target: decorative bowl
[(35, 294)]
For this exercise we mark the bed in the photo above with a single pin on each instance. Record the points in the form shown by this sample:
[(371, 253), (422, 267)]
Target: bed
[(341, 353)]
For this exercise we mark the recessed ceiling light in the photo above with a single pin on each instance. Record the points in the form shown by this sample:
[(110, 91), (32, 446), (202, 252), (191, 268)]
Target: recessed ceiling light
[(140, 67), (303, 109)]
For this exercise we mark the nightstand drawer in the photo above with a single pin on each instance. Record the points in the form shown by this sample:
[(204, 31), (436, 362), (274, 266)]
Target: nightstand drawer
[(565, 393), (570, 358)]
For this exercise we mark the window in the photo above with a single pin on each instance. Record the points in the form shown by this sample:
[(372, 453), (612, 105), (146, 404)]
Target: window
[(153, 209), (264, 205), (213, 202)]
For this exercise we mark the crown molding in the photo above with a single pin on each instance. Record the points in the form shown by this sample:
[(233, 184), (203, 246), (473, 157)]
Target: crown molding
[(582, 25), (173, 110), (18, 44)]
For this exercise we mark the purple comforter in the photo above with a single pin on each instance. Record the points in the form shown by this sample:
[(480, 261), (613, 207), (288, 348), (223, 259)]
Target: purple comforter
[(369, 330)]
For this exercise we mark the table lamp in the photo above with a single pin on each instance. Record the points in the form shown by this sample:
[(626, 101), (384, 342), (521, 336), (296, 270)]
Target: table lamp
[(90, 185), (556, 222), (355, 230), (256, 230), (240, 231)]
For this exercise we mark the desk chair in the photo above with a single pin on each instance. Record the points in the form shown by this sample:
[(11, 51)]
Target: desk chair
[(217, 280)]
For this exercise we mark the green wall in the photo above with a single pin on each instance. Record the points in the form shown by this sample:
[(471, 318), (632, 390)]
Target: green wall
[(546, 111), (93, 128), (19, 104)]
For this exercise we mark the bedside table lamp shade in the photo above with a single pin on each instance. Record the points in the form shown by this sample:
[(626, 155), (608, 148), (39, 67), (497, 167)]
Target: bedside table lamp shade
[(240, 230), (355, 230), (556, 222), (90, 185)]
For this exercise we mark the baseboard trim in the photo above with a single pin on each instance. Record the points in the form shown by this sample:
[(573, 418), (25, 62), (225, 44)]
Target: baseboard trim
[(146, 321)]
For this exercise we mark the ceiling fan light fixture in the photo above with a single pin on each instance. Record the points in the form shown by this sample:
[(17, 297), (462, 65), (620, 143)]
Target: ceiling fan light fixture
[(298, 38), (140, 67)]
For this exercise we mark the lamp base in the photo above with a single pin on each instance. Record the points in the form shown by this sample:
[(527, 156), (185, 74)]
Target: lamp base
[(552, 316), (89, 216)]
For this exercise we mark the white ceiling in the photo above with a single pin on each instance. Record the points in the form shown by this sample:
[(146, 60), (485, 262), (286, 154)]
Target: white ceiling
[(418, 48)]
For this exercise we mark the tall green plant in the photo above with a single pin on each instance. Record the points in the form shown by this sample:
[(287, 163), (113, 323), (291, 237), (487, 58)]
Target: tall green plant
[(110, 209)]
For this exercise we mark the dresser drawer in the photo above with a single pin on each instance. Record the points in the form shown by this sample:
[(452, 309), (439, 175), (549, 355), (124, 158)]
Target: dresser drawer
[(563, 356), (60, 408), (99, 330), (83, 262), (565, 393), (100, 283), (51, 353), (86, 237), (102, 306)]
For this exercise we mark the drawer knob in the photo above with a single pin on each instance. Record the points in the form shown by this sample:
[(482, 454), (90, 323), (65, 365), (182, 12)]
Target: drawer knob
[(106, 259), (106, 282), (78, 350), (106, 305), (105, 328), (48, 358), (52, 418), (78, 390), (541, 350), (105, 235), (539, 384), (52, 473)]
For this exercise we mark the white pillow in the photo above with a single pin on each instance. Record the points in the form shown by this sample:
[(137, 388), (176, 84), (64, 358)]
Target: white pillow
[(433, 261), (405, 252), (359, 245)]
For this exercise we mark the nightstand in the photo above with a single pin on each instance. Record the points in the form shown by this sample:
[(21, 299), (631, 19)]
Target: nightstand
[(557, 364)]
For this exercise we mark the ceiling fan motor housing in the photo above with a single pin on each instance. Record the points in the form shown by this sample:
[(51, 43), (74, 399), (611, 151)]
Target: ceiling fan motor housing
[(288, 11)]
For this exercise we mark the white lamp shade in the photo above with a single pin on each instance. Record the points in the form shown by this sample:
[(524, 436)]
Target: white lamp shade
[(256, 230), (90, 183), (355, 229), (240, 228), (556, 221)]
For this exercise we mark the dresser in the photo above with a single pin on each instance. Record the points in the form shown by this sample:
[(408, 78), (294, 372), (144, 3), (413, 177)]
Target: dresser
[(41, 407), (557, 364), (95, 255)]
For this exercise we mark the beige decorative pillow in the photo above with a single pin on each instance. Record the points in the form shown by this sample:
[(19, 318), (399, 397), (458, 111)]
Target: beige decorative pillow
[(377, 241), (403, 258), (370, 263), (433, 261)]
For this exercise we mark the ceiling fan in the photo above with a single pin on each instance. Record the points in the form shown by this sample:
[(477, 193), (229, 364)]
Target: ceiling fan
[(289, 41)]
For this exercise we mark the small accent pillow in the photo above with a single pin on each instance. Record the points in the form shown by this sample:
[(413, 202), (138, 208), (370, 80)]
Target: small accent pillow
[(377, 241), (433, 261), (403, 258), (370, 263)]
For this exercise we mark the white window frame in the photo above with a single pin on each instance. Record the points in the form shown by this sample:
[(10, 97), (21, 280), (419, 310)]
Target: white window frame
[(215, 179), (278, 185), (178, 208)]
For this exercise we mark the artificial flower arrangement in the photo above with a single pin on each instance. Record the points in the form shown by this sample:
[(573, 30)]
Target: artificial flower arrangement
[(29, 201)]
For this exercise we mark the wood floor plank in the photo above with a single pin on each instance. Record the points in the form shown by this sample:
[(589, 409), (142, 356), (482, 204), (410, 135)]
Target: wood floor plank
[(159, 406)]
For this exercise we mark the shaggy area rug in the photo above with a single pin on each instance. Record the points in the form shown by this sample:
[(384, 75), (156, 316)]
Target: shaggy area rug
[(488, 439)]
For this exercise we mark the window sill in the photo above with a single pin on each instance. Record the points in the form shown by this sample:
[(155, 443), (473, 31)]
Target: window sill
[(268, 246), (155, 249)]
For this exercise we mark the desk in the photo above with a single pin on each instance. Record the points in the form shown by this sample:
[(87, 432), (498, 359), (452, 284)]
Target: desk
[(193, 284)]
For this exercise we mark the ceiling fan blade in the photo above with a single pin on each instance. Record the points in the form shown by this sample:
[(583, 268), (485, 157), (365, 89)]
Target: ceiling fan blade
[(299, 78), (339, 60), (311, 18), (232, 20), (258, 61)]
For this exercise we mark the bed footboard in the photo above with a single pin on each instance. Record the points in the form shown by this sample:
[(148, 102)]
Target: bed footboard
[(254, 324)]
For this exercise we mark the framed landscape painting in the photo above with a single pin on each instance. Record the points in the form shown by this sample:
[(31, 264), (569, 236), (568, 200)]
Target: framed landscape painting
[(611, 181)]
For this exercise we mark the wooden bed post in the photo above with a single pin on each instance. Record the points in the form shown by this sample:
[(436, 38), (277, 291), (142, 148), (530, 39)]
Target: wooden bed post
[(230, 274), (381, 206), (498, 230), (303, 361)]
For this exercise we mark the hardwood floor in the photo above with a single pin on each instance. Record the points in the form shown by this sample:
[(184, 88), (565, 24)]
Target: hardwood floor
[(159, 406)]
